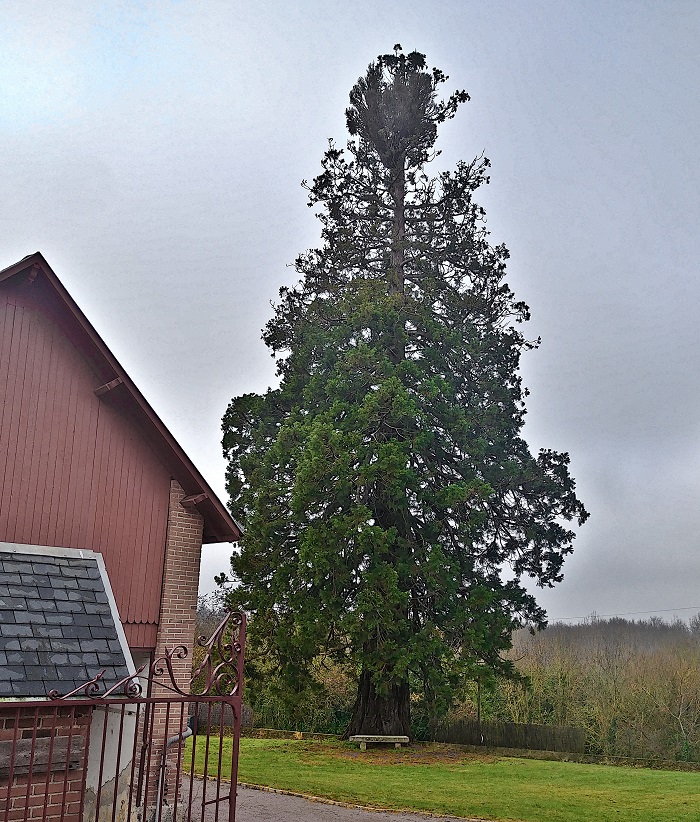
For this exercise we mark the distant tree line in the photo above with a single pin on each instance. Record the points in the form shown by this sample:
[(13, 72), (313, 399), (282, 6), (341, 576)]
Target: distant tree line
[(632, 686)]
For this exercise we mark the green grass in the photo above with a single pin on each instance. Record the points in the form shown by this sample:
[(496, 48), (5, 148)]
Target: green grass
[(444, 780)]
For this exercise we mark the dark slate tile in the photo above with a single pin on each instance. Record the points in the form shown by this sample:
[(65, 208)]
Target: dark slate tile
[(37, 688), (62, 644), (73, 673), (11, 566), (40, 580), (83, 659), (69, 607), (44, 604), (97, 608), (59, 619), (22, 657), (81, 596), (80, 562), (10, 643), (62, 627), (15, 603), (103, 633), (44, 568), (60, 582), (45, 657), (99, 645), (30, 617), (86, 620), (17, 630), (5, 687), (76, 632), (71, 571), (40, 672), (49, 631), (34, 644)]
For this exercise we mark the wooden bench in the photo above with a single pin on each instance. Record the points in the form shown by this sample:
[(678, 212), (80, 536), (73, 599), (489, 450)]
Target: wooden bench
[(363, 739)]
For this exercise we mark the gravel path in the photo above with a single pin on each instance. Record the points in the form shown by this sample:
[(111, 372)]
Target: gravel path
[(265, 806)]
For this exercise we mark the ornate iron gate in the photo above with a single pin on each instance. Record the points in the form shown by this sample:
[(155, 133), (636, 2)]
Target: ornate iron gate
[(143, 751)]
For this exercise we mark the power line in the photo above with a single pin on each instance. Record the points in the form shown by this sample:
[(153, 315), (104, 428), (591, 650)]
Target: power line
[(628, 613)]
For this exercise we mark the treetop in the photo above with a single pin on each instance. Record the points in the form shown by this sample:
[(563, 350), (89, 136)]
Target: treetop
[(394, 107)]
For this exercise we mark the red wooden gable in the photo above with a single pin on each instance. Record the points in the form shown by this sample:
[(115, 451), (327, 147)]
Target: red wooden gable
[(84, 460)]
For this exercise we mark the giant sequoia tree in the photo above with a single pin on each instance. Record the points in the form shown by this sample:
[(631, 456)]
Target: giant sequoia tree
[(392, 508)]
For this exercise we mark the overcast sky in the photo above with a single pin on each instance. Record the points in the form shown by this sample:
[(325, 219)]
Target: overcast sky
[(152, 151)]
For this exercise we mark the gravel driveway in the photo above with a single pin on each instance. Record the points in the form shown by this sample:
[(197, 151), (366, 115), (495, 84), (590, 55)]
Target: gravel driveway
[(264, 806)]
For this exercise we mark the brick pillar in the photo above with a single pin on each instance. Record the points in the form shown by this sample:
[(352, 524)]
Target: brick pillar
[(178, 605), (183, 548)]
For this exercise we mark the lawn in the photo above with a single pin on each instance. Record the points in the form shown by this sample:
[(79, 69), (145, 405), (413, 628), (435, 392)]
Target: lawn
[(443, 779)]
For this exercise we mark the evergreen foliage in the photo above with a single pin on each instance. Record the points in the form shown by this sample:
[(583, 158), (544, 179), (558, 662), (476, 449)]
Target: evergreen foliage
[(385, 486)]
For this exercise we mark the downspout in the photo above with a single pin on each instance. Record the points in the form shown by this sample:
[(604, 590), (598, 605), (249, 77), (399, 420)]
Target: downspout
[(161, 775)]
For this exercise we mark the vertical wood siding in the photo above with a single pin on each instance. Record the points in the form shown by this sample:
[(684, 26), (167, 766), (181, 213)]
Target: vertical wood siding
[(74, 471)]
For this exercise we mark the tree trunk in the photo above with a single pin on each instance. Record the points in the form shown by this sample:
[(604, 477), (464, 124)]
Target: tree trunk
[(386, 715), (398, 229), (397, 258)]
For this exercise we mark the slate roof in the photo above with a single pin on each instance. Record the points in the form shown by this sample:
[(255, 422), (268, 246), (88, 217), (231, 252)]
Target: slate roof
[(57, 623)]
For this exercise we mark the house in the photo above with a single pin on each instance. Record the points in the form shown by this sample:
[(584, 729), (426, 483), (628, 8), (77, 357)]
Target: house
[(102, 514), (85, 463)]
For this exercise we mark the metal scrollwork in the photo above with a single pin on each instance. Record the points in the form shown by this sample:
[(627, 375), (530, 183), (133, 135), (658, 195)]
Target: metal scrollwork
[(222, 666), (129, 687), (90, 689), (164, 665)]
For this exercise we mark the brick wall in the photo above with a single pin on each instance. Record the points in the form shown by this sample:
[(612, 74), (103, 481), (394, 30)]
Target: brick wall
[(52, 741), (177, 621), (180, 582)]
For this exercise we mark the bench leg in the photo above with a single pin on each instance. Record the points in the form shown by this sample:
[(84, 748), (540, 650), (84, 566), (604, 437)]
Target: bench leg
[(397, 744), (363, 746)]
